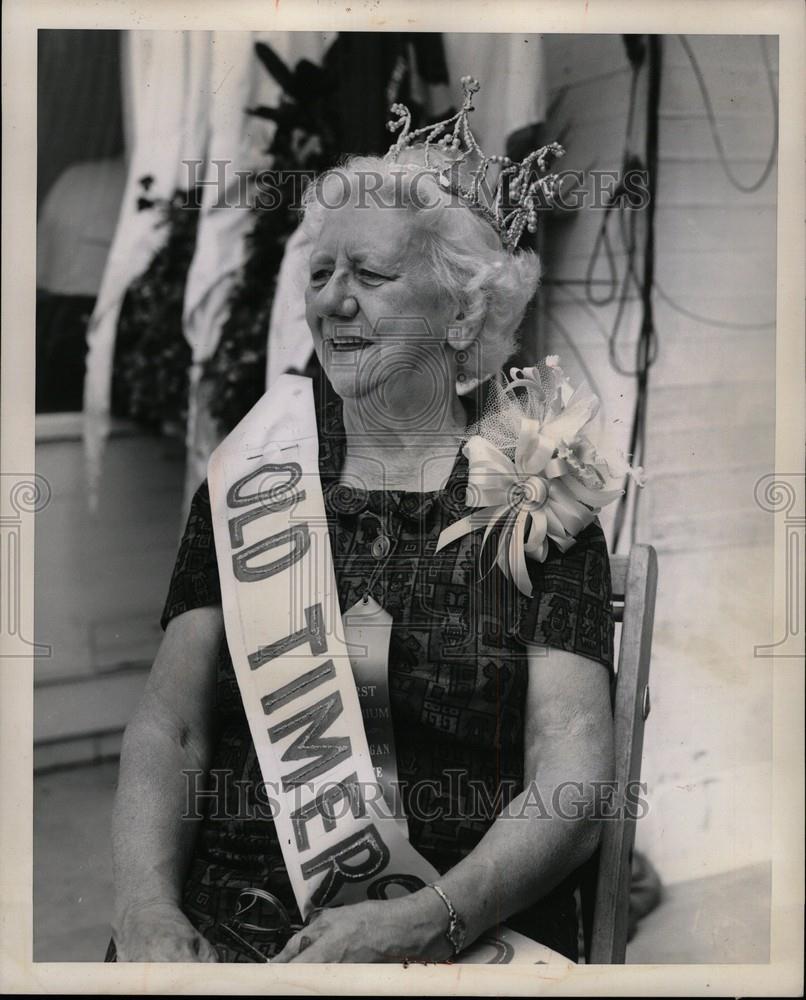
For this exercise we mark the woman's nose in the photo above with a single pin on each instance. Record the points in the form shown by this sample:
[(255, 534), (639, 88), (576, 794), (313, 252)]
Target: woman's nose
[(349, 307), (335, 299)]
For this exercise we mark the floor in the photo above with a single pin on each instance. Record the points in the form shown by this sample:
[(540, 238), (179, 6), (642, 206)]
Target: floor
[(723, 919), (72, 863)]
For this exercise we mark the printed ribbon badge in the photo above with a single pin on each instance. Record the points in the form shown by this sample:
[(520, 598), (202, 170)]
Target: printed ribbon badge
[(533, 474)]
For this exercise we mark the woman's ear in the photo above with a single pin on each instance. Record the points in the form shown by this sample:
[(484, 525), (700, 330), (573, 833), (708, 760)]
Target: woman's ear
[(460, 333)]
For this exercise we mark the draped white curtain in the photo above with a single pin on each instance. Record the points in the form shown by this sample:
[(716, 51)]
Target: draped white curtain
[(166, 72), (511, 70), (237, 140), (185, 94)]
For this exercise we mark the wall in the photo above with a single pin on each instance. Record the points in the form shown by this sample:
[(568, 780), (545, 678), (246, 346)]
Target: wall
[(710, 422), (100, 584)]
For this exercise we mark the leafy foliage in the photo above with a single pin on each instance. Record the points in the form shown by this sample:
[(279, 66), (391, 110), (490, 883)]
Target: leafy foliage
[(152, 357)]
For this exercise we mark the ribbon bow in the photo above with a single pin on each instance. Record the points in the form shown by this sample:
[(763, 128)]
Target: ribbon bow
[(541, 494)]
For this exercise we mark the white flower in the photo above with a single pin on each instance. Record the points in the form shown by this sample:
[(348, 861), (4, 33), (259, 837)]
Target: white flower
[(557, 481)]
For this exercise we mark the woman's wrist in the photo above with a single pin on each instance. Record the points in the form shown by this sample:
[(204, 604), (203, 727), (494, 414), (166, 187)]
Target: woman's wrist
[(131, 909), (429, 925), (456, 933)]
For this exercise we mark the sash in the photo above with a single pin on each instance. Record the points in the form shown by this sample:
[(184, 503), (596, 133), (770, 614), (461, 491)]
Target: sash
[(340, 840)]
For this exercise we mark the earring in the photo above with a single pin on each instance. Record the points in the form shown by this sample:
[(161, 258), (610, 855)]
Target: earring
[(457, 337)]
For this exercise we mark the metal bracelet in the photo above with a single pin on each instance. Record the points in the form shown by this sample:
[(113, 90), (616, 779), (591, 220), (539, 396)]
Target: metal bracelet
[(456, 926)]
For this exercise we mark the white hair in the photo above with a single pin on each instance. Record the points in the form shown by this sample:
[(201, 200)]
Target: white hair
[(490, 287)]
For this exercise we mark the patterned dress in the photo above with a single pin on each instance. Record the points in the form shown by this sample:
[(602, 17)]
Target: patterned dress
[(458, 675)]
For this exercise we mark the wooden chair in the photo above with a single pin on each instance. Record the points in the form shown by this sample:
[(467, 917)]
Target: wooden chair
[(605, 886)]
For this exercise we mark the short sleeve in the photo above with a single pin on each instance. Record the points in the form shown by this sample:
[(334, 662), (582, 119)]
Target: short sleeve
[(571, 604), (195, 582)]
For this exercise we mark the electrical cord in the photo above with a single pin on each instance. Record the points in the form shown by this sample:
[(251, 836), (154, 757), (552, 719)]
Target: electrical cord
[(630, 243), (618, 289), (602, 240), (627, 224), (712, 123), (646, 347)]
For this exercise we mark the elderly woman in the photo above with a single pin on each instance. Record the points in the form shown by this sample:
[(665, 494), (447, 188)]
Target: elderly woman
[(499, 701)]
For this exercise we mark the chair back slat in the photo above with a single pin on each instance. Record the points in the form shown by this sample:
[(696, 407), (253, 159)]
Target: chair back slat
[(634, 581), (618, 576), (618, 580)]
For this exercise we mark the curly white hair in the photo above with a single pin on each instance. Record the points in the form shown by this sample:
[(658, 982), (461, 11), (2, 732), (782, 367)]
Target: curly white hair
[(490, 287)]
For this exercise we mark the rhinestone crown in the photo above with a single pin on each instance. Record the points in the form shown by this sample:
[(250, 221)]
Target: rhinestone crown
[(452, 154)]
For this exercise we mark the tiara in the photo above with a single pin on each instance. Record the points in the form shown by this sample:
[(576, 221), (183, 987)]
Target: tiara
[(452, 154)]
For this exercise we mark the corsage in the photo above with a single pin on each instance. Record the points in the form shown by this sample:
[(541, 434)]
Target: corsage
[(534, 474)]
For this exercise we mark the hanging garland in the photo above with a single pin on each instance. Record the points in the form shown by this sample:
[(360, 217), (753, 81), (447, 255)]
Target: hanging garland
[(152, 356)]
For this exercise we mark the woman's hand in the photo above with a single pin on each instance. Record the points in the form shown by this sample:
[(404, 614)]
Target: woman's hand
[(169, 737), (160, 932), (411, 928)]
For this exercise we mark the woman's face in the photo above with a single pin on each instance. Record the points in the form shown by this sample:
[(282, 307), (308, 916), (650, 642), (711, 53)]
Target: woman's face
[(378, 319)]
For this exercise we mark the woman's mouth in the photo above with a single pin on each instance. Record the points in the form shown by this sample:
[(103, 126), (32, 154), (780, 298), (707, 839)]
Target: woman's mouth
[(345, 344)]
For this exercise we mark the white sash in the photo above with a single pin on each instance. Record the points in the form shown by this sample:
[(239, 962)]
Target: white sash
[(340, 841)]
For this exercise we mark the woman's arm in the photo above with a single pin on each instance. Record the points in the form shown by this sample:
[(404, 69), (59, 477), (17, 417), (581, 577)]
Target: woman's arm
[(536, 843), (169, 733), (528, 850)]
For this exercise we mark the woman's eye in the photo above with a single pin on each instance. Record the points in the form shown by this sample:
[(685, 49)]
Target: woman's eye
[(320, 277), (373, 276)]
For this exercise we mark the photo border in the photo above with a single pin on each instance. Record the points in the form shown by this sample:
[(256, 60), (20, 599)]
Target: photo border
[(783, 975)]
